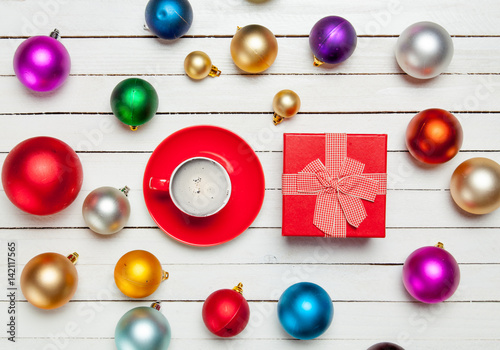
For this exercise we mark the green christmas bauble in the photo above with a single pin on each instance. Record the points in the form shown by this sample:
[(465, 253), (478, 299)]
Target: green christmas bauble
[(134, 102)]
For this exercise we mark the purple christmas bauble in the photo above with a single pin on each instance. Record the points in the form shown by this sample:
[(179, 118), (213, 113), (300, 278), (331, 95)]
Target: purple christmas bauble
[(385, 346), (431, 274), (42, 63), (332, 40)]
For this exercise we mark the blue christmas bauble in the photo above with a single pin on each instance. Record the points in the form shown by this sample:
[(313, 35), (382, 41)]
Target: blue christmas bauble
[(169, 19), (305, 310), (143, 328)]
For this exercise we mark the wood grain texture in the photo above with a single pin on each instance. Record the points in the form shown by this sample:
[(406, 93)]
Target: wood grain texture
[(366, 94)]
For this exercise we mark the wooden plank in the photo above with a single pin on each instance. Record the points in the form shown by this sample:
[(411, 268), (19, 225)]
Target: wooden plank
[(283, 17), (103, 133), (342, 93), (213, 343), (346, 283), (351, 321), (468, 246), (152, 57)]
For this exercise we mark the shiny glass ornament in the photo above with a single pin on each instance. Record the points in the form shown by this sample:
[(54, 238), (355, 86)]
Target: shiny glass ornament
[(254, 48), (385, 346), (42, 175), (424, 50), (286, 104), (49, 280), (475, 186), (332, 40), (305, 310), (198, 65), (138, 274), (106, 210), (434, 136), (226, 312), (42, 63), (134, 102), (169, 19), (143, 328), (431, 274)]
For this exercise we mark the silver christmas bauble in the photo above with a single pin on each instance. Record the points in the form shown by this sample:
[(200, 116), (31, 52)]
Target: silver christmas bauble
[(424, 50), (106, 210)]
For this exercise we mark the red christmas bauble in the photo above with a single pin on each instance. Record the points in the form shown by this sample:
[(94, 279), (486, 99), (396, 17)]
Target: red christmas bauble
[(226, 312), (42, 175), (434, 136)]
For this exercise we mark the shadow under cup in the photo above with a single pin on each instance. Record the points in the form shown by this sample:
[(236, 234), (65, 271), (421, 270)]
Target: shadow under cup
[(198, 187)]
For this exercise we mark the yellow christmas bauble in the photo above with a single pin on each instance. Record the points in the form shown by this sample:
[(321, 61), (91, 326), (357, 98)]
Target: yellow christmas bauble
[(138, 274), (254, 48), (286, 104), (49, 280), (198, 65)]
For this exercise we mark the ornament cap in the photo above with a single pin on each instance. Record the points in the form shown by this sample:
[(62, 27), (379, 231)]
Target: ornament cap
[(73, 257), (133, 127), (277, 119), (239, 288), (238, 28), (165, 276), (55, 34), (440, 245), (317, 62), (156, 305), (125, 190), (214, 72)]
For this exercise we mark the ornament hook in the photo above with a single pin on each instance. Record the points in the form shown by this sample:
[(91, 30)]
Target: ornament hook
[(214, 72), (165, 276), (239, 288), (156, 305), (55, 34), (277, 119), (125, 190), (440, 245), (317, 62), (73, 257)]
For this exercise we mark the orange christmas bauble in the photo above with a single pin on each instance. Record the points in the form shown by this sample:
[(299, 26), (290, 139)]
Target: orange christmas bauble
[(434, 136), (138, 274)]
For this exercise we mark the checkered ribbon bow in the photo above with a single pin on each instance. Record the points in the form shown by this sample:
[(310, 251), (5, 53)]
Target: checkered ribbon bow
[(340, 186)]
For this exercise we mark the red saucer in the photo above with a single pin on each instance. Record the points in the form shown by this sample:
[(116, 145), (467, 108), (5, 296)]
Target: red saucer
[(243, 167)]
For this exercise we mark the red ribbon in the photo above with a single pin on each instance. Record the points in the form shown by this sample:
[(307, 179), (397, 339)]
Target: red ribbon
[(340, 186)]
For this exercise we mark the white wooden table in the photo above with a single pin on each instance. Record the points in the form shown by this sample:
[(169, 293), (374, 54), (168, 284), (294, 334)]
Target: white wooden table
[(366, 94)]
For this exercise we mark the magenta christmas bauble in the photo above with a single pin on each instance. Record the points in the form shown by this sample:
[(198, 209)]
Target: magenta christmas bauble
[(42, 63), (431, 274)]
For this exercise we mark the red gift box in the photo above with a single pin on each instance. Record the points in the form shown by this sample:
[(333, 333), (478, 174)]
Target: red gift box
[(334, 185)]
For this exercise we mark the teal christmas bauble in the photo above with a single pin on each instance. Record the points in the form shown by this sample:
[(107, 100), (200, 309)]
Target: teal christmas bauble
[(143, 328), (134, 102), (305, 310)]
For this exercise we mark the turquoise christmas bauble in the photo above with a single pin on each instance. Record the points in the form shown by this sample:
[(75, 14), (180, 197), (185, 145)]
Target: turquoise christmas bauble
[(143, 328), (305, 310)]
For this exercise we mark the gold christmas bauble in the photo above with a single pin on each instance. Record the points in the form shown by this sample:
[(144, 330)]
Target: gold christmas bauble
[(198, 65), (49, 280), (286, 104), (138, 274), (254, 48), (475, 185)]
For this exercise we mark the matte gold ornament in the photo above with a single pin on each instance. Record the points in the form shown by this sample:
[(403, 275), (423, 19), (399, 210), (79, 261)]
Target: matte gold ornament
[(198, 65), (254, 48), (286, 104), (138, 274), (475, 185), (49, 280)]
